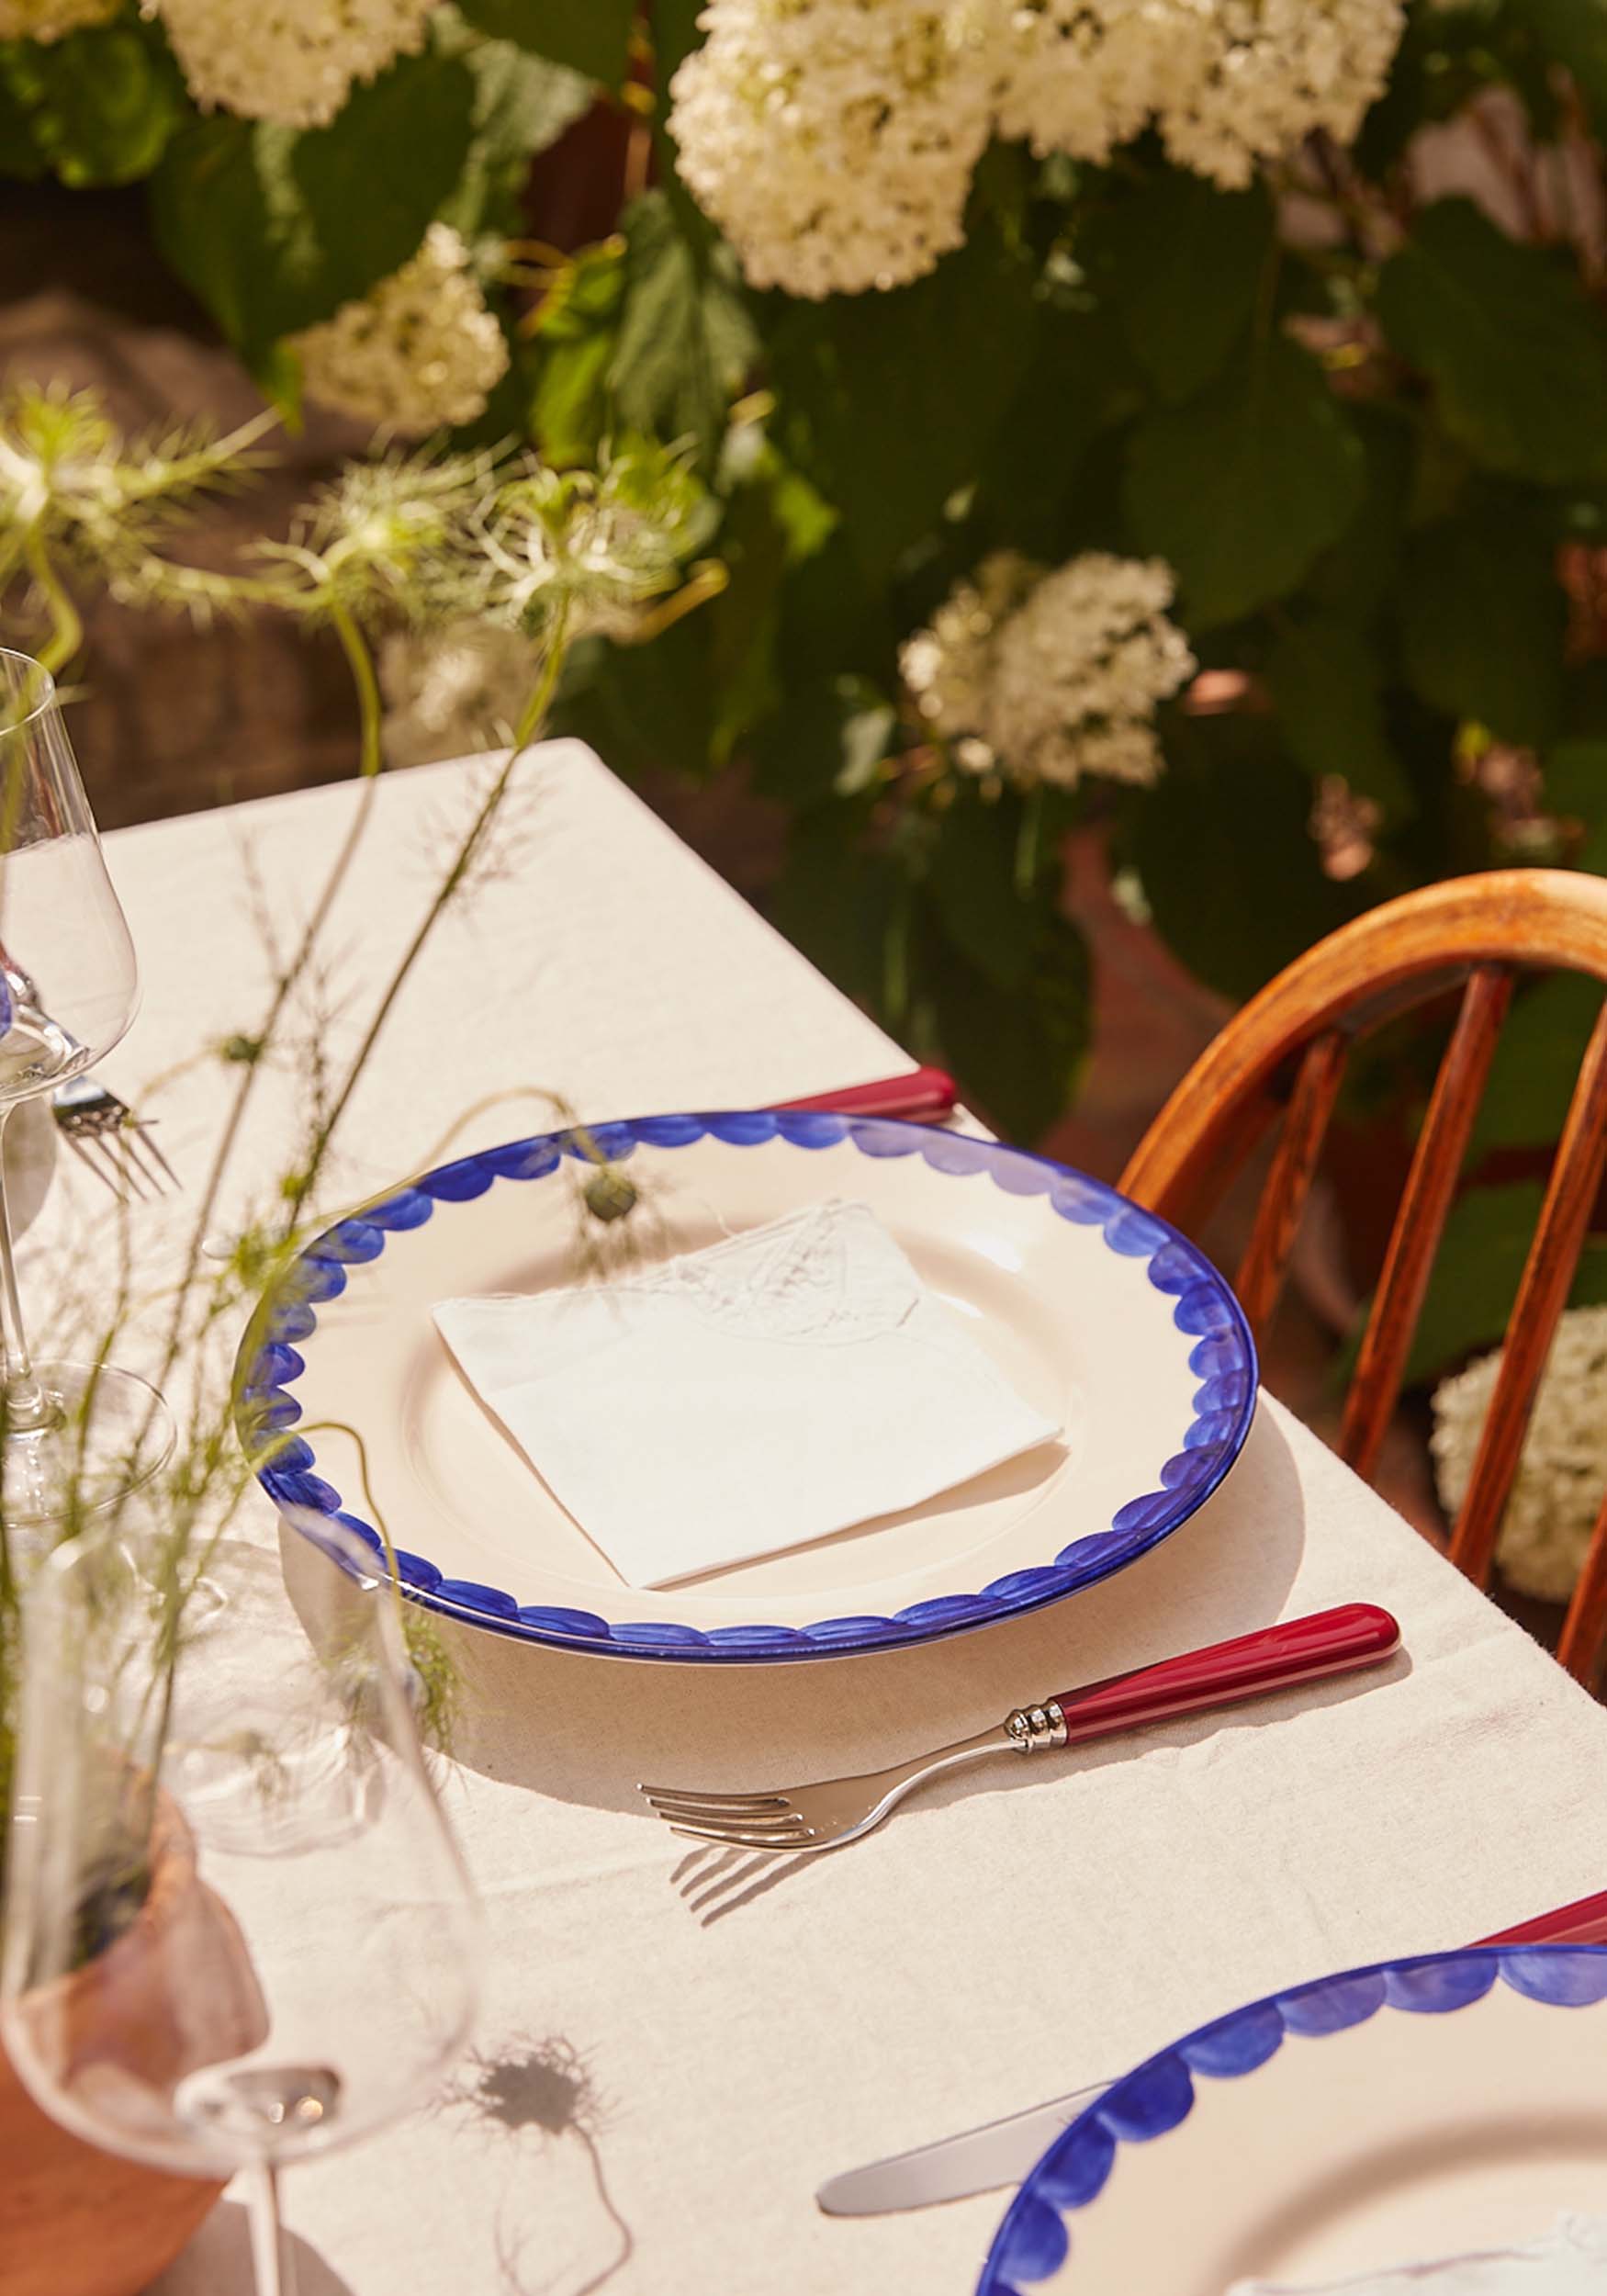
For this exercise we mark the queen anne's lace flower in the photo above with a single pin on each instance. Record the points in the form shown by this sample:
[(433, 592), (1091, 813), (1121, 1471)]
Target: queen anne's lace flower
[(48, 19), (1240, 80), (1080, 76), (417, 353), (1046, 678), (291, 60), (1562, 1475), (833, 140)]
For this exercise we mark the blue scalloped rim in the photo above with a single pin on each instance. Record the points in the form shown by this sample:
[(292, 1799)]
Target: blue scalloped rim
[(1223, 1358), (1034, 2240)]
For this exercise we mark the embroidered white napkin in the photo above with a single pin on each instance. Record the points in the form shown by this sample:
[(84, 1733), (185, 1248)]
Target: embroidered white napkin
[(1571, 2260), (786, 1383)]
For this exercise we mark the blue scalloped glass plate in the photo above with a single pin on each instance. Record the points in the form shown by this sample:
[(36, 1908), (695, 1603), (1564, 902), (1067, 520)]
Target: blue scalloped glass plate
[(1444, 2105), (1097, 1311)]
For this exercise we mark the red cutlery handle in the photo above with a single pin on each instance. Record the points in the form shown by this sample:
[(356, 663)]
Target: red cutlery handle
[(1582, 1924), (1296, 1650), (922, 1092)]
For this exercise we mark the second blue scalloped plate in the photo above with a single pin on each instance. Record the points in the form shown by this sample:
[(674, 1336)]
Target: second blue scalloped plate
[(1097, 1311), (1450, 2104)]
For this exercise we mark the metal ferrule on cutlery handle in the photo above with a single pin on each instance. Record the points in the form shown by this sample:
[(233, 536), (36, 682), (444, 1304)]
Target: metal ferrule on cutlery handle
[(1274, 1657)]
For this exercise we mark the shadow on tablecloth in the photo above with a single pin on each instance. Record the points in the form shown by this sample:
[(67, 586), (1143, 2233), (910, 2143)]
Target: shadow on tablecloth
[(586, 1729), (218, 2261)]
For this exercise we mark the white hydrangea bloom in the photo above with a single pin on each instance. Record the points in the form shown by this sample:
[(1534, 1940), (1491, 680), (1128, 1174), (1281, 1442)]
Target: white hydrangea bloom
[(1562, 1476), (450, 691), (833, 140), (1248, 80), (49, 19), (290, 61), (418, 352), (1081, 75), (947, 667), (1046, 678)]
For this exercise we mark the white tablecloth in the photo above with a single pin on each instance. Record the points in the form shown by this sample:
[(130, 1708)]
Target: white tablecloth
[(1012, 1932)]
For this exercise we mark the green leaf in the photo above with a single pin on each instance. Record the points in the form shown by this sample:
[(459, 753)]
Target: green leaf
[(1354, 577), (275, 230), (1327, 680), (1017, 1051), (1242, 488), (591, 36), (103, 104), (889, 401), (1225, 857), (685, 340), (648, 709), (1482, 624), (1081, 382), (521, 106), (374, 179), (1183, 262), (1574, 34), (825, 742), (1576, 780), (971, 885), (1515, 348), (1536, 1062), (20, 153), (839, 903), (1476, 1275), (568, 410), (573, 345)]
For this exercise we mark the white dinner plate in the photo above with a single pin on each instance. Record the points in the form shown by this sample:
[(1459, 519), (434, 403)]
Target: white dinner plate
[(1099, 1314), (1399, 2114)]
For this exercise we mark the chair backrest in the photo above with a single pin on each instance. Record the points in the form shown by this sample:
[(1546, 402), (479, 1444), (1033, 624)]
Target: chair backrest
[(1285, 1054)]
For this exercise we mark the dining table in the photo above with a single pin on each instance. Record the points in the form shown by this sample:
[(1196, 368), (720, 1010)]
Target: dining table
[(675, 2048)]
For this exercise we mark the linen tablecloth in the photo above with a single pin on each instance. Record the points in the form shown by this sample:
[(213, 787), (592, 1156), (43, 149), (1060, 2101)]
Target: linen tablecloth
[(672, 2072)]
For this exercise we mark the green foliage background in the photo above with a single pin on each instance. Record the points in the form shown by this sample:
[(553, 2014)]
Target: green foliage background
[(1362, 456)]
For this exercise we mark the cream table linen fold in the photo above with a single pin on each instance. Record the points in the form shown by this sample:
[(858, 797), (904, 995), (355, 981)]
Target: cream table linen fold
[(1019, 1929)]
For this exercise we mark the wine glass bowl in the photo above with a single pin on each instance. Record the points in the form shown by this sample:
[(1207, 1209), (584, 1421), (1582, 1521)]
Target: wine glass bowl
[(313, 1975), (76, 1434), (61, 923)]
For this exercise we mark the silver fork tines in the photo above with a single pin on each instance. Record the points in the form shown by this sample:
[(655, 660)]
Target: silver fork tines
[(111, 1140), (798, 1818)]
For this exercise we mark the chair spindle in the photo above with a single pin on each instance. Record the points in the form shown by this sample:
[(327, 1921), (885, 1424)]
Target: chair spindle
[(1420, 1219), (1283, 1200), (1548, 1271)]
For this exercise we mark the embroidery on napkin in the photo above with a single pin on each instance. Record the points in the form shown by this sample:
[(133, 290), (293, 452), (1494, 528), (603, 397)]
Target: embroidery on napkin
[(829, 1274)]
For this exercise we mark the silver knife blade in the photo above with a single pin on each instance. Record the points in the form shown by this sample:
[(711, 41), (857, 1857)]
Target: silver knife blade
[(982, 2160), (1001, 2153)]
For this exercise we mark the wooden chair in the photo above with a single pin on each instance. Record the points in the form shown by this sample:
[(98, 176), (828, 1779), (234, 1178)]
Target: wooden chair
[(1284, 1055)]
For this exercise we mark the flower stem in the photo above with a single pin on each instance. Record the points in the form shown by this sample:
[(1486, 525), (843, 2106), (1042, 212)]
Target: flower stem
[(66, 628)]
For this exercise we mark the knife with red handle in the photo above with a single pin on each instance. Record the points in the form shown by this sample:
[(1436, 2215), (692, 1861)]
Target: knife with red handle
[(986, 2159), (1582, 1924)]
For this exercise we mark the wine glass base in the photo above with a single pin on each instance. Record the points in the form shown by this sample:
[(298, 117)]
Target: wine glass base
[(109, 1433)]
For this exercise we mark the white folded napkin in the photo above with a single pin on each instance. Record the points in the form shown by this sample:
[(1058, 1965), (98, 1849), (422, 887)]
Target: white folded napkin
[(1571, 2260), (783, 1384)]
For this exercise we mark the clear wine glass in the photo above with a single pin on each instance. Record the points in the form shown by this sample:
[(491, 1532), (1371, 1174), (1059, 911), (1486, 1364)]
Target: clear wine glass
[(237, 1930), (75, 1433)]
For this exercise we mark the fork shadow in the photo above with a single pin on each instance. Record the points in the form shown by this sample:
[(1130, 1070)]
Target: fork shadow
[(589, 1730)]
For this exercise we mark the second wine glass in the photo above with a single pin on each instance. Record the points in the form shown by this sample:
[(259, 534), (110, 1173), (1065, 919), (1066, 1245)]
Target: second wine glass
[(237, 1930)]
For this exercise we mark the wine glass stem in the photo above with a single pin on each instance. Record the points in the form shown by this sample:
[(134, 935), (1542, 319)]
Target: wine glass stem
[(274, 2273), (27, 1407)]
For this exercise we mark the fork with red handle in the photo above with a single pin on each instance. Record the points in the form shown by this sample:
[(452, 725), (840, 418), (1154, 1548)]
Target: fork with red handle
[(922, 1096)]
